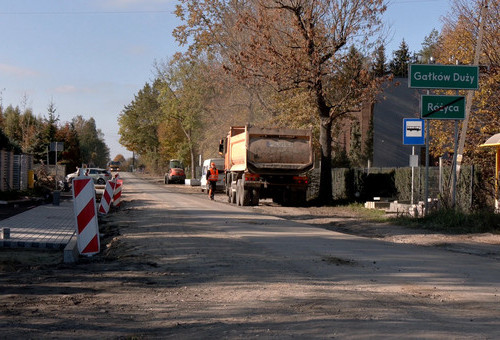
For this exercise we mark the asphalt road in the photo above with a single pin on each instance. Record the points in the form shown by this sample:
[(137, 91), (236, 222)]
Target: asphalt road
[(187, 267)]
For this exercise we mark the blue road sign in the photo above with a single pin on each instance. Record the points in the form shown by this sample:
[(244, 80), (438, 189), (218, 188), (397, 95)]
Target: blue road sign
[(413, 131)]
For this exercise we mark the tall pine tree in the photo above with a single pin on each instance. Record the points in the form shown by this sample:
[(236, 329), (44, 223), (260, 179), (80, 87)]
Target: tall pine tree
[(399, 64)]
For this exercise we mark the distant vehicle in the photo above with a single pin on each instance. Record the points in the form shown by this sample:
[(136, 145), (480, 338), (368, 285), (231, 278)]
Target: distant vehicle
[(98, 175), (219, 164), (69, 177), (175, 172), (114, 166)]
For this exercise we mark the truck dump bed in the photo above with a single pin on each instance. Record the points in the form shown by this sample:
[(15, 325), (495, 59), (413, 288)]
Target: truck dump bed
[(270, 151)]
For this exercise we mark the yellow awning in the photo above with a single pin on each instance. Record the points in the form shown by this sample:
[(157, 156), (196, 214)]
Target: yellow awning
[(492, 141)]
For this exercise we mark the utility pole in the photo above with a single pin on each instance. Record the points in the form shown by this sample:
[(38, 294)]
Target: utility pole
[(470, 93)]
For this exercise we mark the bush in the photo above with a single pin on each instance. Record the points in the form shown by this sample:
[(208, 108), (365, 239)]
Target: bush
[(455, 222)]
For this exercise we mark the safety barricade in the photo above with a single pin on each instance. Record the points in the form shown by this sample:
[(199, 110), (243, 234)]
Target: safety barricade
[(87, 228), (117, 197), (107, 197)]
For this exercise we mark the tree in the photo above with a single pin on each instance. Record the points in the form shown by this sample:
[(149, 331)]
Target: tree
[(11, 124), (430, 47), (94, 150), (139, 122), (71, 154), (119, 158), (379, 67), (183, 99), (289, 44), (45, 135), (6, 143), (401, 60), (457, 43)]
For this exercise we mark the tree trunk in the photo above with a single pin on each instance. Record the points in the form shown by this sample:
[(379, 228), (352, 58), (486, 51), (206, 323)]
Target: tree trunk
[(325, 140), (193, 165)]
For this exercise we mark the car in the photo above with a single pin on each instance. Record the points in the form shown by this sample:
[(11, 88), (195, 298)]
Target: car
[(175, 172), (69, 177), (98, 175)]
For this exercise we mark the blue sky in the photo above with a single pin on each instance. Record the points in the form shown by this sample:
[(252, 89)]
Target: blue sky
[(90, 57)]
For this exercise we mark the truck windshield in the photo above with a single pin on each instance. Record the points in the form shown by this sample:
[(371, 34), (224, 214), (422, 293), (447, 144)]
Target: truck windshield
[(174, 163)]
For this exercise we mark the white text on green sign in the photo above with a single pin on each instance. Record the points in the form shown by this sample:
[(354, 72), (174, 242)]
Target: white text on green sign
[(442, 107), (457, 77)]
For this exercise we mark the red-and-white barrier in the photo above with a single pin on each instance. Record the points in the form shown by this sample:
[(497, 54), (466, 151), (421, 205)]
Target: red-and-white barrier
[(87, 228), (117, 197), (107, 197)]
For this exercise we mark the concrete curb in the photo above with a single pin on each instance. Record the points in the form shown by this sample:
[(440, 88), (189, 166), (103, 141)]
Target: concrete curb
[(71, 254)]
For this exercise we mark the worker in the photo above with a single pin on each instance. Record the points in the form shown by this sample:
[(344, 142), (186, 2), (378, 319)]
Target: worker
[(212, 177)]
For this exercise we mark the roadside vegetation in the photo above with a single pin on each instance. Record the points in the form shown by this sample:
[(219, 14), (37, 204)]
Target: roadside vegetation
[(24, 132), (454, 222)]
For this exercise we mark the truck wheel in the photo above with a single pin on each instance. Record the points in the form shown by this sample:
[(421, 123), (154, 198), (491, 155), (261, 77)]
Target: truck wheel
[(296, 199), (246, 197), (255, 197)]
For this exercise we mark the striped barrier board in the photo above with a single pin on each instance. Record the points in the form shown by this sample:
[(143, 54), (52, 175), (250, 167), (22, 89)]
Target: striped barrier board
[(107, 197), (117, 197), (87, 228)]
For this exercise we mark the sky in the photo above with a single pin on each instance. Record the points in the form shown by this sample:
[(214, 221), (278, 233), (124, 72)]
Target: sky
[(90, 57)]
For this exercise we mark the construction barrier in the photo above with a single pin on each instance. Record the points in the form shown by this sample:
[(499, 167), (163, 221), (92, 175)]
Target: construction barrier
[(107, 197), (117, 197), (87, 229)]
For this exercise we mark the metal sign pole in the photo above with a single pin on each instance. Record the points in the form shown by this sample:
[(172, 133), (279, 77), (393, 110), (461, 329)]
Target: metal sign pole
[(412, 176), (454, 183), (55, 179), (427, 137)]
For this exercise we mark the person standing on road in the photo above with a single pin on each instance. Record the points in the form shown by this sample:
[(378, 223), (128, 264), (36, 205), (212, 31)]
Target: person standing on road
[(212, 177)]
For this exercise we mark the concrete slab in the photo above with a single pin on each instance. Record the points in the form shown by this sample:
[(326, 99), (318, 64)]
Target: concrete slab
[(45, 226)]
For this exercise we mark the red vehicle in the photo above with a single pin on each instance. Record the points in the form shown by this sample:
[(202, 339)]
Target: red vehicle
[(175, 172)]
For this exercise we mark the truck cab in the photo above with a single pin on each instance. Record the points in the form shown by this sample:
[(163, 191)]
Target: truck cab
[(175, 172)]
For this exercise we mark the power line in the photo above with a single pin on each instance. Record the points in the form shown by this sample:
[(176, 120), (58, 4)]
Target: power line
[(84, 12)]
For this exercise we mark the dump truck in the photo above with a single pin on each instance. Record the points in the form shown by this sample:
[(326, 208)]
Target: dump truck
[(266, 163)]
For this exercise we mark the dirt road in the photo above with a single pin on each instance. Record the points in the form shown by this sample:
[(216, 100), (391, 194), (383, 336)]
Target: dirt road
[(178, 265)]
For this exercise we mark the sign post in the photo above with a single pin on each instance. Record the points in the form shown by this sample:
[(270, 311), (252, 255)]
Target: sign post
[(413, 134), (56, 146), (456, 77)]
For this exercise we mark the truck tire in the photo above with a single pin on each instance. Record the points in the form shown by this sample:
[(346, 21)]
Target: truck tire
[(246, 197), (255, 197), (296, 199), (243, 195)]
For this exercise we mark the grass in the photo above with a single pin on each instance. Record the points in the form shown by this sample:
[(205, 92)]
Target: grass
[(454, 222), (372, 215)]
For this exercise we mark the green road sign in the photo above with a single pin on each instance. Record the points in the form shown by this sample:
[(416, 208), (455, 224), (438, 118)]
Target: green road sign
[(442, 107), (458, 77)]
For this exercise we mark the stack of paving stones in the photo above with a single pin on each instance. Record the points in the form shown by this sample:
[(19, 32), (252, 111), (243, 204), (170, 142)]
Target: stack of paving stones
[(45, 226)]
